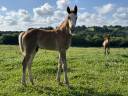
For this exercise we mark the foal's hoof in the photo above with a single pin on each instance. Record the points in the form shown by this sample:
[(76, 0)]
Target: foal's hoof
[(33, 83), (60, 83), (70, 86), (67, 84), (24, 83)]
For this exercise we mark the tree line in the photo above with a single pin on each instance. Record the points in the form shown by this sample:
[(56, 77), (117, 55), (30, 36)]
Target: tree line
[(84, 36)]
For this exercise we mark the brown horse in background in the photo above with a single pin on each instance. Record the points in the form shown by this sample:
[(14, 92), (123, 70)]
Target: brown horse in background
[(106, 44), (58, 39)]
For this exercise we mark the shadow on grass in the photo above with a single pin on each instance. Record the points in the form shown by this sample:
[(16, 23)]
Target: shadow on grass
[(81, 91), (73, 91), (50, 70), (124, 56)]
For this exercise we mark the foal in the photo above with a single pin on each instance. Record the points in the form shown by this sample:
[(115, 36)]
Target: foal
[(106, 44), (58, 39)]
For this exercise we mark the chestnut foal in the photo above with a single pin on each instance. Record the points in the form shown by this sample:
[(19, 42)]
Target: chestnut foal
[(58, 39), (106, 44)]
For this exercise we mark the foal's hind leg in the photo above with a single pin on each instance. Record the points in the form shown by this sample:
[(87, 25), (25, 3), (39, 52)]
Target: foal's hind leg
[(24, 64), (27, 61), (29, 67)]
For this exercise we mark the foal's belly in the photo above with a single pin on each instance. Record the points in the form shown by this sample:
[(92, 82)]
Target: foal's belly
[(53, 45), (50, 45)]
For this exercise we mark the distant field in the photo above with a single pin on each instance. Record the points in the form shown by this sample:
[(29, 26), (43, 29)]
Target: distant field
[(90, 73)]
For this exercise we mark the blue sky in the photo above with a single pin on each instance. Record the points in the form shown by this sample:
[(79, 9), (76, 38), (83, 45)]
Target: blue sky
[(21, 14)]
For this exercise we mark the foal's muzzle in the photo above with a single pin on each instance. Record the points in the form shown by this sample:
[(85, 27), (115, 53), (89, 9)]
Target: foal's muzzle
[(72, 29)]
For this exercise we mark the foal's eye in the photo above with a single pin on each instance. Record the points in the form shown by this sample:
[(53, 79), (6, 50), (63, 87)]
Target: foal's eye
[(69, 17)]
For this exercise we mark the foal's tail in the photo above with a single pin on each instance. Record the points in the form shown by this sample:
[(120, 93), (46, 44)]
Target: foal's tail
[(21, 42)]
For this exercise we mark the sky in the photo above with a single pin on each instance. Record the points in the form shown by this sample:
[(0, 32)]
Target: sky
[(17, 15)]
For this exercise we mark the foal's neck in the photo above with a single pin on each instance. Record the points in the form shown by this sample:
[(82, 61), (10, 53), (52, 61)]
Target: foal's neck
[(64, 26), (107, 40)]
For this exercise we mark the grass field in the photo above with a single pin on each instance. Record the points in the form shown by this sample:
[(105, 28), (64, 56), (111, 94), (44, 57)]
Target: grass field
[(90, 73)]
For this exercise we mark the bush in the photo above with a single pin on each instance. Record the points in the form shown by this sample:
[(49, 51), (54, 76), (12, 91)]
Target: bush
[(9, 39), (85, 36)]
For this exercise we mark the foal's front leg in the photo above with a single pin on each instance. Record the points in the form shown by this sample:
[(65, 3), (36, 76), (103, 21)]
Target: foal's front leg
[(108, 51), (59, 68), (64, 65), (104, 51)]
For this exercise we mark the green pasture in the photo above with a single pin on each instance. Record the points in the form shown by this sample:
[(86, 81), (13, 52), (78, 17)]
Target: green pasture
[(90, 73)]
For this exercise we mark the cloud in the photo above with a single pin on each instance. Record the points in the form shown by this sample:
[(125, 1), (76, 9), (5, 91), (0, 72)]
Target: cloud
[(48, 15), (51, 20), (21, 15), (98, 18), (15, 20), (121, 13), (10, 18), (2, 8), (44, 10), (1, 19), (91, 19), (105, 9), (10, 22), (58, 14), (62, 4), (82, 9), (24, 15), (120, 17)]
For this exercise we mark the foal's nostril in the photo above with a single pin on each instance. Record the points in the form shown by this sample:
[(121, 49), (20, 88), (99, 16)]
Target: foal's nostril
[(72, 29)]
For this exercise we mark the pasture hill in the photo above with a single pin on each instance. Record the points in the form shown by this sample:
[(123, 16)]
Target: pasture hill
[(84, 36)]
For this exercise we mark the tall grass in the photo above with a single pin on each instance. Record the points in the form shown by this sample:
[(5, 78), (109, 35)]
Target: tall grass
[(90, 73)]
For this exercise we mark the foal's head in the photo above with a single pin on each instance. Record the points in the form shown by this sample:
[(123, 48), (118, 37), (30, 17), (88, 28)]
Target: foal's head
[(72, 17)]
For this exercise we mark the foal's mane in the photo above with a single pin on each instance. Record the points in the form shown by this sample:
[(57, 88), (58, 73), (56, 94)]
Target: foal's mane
[(62, 25)]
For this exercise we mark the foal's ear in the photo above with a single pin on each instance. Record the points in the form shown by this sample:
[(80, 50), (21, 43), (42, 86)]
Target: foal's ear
[(75, 9), (68, 10)]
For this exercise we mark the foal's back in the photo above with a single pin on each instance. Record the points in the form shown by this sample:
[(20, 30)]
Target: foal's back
[(41, 38), (47, 39)]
